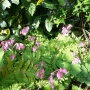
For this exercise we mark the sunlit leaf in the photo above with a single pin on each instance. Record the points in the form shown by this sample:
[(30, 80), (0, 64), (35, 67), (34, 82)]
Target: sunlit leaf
[(39, 1), (15, 2), (4, 34), (75, 69), (1, 57), (2, 38), (48, 25), (76, 87), (3, 24), (6, 4), (32, 9)]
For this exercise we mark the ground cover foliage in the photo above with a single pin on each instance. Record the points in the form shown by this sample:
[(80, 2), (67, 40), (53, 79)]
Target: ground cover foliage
[(44, 44)]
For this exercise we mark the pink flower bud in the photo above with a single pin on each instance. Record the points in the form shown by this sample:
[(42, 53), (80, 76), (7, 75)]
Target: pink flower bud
[(81, 44), (34, 49), (38, 43), (13, 56), (69, 26), (43, 64), (31, 38)]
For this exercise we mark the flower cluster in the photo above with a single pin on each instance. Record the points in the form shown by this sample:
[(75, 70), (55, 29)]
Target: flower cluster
[(66, 30), (20, 46), (6, 44), (24, 31), (76, 58), (76, 61), (37, 43), (60, 72), (59, 75), (41, 71)]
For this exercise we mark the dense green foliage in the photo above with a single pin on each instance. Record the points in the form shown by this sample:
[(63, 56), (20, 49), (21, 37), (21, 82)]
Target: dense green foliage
[(37, 25)]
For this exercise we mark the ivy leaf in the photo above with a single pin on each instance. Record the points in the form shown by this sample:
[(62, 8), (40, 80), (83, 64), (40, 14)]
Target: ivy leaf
[(15, 2), (1, 56), (32, 9), (6, 4), (48, 25)]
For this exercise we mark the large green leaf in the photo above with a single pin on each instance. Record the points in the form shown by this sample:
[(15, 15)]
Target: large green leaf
[(4, 34), (87, 65), (62, 2), (75, 69), (1, 56), (3, 24), (32, 9), (48, 25), (48, 4), (2, 38)]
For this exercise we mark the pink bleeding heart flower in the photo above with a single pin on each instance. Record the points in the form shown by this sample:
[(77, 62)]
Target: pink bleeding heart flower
[(38, 43), (66, 30), (25, 30), (20, 46), (81, 44), (60, 72), (69, 26), (6, 44), (34, 49), (51, 80)]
